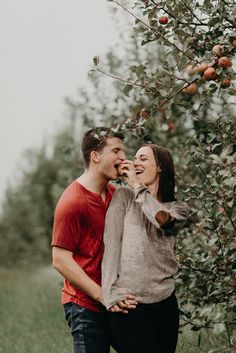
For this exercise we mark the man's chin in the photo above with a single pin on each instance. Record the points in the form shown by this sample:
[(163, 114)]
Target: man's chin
[(115, 176)]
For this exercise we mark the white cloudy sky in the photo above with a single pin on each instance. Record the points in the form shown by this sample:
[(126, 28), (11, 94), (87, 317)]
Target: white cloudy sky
[(47, 48)]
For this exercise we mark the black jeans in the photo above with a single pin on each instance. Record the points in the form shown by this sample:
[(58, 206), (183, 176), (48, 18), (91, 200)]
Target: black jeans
[(89, 329), (150, 328)]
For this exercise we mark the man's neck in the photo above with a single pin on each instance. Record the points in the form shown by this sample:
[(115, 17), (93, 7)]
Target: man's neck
[(93, 182)]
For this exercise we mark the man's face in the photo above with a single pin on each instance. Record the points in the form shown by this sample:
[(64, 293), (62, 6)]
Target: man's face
[(110, 157)]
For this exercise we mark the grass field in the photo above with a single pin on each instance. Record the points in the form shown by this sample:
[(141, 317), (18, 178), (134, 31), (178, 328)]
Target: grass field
[(32, 319)]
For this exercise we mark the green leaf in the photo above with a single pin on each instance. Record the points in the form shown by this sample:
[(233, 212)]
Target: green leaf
[(96, 60), (232, 91), (127, 89), (199, 339), (195, 328)]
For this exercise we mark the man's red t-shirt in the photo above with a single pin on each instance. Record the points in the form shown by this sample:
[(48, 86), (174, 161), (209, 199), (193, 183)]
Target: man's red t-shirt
[(79, 222)]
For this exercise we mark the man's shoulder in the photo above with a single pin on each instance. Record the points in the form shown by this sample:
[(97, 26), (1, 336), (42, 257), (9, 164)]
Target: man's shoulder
[(71, 199)]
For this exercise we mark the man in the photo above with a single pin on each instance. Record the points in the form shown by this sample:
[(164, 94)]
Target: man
[(77, 244)]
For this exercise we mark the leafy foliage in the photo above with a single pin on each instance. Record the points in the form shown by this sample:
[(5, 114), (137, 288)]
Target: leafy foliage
[(199, 128)]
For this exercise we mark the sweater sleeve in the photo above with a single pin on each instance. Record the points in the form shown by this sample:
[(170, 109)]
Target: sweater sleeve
[(178, 211), (112, 240)]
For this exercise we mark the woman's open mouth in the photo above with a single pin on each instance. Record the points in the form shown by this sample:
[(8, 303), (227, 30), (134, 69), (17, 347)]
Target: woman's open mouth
[(138, 171)]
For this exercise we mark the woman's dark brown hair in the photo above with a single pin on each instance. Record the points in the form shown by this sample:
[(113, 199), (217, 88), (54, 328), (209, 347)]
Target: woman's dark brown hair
[(163, 158)]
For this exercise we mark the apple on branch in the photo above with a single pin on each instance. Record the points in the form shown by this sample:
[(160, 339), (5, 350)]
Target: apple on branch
[(224, 62), (191, 89), (225, 83), (217, 50), (163, 20), (210, 73)]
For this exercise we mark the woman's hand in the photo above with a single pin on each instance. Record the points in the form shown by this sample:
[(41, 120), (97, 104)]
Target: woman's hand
[(125, 305), (127, 170), (163, 218)]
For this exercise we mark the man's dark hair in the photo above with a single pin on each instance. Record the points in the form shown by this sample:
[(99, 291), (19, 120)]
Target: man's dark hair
[(95, 140)]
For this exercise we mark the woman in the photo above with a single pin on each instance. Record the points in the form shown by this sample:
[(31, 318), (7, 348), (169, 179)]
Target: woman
[(140, 234)]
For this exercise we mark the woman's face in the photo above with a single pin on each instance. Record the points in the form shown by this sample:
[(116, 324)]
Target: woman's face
[(145, 166)]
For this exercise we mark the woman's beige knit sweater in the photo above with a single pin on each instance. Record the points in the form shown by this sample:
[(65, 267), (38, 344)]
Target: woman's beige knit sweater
[(139, 255)]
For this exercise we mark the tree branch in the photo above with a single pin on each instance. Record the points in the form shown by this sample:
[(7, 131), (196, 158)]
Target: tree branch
[(154, 30), (126, 81), (190, 10)]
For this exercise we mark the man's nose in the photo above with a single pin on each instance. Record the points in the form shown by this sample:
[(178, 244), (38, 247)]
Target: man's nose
[(122, 156)]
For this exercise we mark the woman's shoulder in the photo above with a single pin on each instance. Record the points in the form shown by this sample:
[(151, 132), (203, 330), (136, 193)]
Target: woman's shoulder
[(124, 192)]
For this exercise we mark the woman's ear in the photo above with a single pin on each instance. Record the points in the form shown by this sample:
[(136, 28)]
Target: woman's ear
[(95, 156)]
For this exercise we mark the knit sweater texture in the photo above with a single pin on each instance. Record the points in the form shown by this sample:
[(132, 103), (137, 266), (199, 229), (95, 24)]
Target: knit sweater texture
[(139, 255)]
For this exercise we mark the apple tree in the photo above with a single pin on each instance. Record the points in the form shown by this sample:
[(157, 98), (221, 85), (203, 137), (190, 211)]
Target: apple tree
[(185, 98)]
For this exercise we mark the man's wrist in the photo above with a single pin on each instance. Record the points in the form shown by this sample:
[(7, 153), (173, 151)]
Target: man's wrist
[(98, 296)]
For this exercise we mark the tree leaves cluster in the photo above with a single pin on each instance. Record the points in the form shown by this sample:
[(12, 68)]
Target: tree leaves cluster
[(200, 131)]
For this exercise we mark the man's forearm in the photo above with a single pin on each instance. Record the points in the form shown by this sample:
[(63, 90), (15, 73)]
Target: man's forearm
[(65, 264)]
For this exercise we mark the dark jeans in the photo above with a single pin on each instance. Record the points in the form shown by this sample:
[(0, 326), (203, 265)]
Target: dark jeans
[(150, 328), (89, 329)]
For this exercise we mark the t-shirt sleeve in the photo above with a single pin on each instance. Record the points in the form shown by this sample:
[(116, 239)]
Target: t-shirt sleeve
[(66, 229)]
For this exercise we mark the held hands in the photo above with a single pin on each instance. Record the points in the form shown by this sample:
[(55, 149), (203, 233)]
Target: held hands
[(127, 170), (125, 305)]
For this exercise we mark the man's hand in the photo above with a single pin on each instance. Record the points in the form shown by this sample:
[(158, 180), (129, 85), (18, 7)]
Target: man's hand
[(125, 305)]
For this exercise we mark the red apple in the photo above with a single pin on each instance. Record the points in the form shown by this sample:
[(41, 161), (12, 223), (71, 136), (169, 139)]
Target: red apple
[(171, 126), (144, 114), (200, 68), (210, 73), (217, 50), (163, 20), (224, 61), (191, 89), (225, 83)]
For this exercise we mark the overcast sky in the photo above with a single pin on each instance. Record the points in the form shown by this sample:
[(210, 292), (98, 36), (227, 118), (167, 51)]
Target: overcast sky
[(47, 48)]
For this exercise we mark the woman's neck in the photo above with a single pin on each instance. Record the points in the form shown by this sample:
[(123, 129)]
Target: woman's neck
[(153, 188)]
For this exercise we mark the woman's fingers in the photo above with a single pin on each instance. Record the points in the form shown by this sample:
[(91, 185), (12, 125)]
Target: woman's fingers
[(117, 308), (126, 167), (130, 300), (123, 306)]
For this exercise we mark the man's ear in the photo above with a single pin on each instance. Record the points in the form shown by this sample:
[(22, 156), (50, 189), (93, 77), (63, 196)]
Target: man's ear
[(95, 156)]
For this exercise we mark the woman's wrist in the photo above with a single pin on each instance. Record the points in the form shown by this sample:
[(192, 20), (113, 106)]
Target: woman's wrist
[(135, 184)]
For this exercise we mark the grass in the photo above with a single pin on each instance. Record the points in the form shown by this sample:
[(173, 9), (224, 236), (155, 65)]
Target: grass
[(32, 319)]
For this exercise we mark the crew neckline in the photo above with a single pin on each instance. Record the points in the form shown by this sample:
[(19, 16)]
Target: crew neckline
[(92, 192)]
